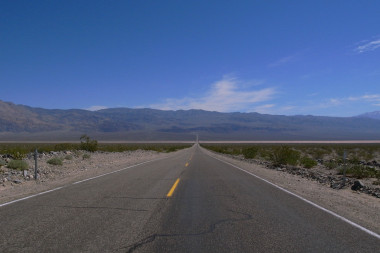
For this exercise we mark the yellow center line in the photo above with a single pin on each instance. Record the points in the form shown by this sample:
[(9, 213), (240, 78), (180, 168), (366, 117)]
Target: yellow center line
[(187, 164), (170, 193)]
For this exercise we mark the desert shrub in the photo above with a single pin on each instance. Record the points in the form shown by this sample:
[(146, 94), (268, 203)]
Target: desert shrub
[(17, 153), (265, 154), (18, 165), (218, 149), (55, 161), (171, 149), (366, 153), (2, 162), (236, 150), (250, 153), (77, 153), (331, 164), (68, 157), (285, 155), (87, 144), (65, 146), (225, 149), (340, 151), (308, 162), (368, 156), (86, 156), (360, 171), (354, 160), (318, 153), (116, 147)]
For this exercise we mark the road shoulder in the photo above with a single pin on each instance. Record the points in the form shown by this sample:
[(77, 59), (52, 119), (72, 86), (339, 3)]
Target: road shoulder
[(76, 170)]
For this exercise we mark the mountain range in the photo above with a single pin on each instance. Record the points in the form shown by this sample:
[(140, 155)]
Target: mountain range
[(20, 122), (371, 115)]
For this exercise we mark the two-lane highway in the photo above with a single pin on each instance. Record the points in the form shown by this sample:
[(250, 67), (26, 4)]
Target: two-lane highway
[(189, 202)]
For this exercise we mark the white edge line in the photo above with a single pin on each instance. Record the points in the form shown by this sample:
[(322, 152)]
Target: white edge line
[(41, 193), (105, 174), (31, 196), (307, 201)]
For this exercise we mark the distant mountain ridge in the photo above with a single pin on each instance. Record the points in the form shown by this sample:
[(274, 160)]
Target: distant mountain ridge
[(19, 122), (371, 115)]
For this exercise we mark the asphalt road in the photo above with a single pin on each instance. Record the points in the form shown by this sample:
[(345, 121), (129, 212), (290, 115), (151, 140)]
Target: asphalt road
[(211, 207)]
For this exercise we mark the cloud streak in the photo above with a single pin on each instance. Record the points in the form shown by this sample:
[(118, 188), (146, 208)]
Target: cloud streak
[(226, 95), (339, 106), (368, 46), (373, 99), (96, 108), (282, 61), (369, 98)]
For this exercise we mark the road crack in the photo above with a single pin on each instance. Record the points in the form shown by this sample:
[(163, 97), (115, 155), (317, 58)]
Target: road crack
[(103, 207), (136, 198), (212, 227)]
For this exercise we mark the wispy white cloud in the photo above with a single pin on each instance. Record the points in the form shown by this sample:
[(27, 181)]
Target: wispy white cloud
[(226, 95), (373, 99), (334, 101), (288, 108), (339, 106), (282, 61), (96, 108), (276, 109), (368, 46), (367, 98)]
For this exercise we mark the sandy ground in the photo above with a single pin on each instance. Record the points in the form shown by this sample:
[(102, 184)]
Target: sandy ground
[(76, 169), (360, 208)]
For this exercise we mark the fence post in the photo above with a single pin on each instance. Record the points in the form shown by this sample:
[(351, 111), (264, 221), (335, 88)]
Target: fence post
[(35, 164), (344, 167)]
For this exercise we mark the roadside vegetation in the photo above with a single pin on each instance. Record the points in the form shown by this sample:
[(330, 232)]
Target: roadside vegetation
[(362, 160), (17, 165), (19, 151), (86, 143), (2, 162), (55, 161), (12, 155), (86, 156)]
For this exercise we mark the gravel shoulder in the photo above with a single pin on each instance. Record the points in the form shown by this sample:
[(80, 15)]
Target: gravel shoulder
[(16, 184), (360, 208)]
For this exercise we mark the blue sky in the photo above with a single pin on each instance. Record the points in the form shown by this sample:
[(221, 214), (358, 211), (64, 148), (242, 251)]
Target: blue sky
[(276, 57)]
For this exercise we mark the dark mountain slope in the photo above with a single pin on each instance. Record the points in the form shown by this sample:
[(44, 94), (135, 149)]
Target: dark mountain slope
[(151, 124), (371, 115)]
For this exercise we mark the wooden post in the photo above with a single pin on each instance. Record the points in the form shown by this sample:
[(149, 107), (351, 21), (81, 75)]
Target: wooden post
[(344, 167), (35, 164)]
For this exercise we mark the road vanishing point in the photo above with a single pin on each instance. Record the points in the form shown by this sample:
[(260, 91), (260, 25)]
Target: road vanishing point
[(187, 202)]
